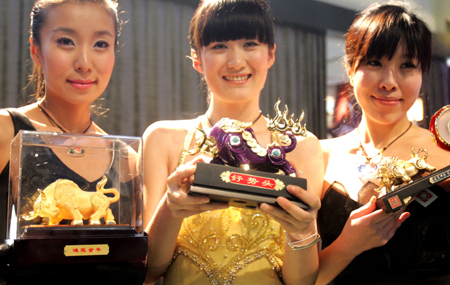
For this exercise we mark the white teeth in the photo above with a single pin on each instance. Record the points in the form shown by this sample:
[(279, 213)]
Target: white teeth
[(237, 78)]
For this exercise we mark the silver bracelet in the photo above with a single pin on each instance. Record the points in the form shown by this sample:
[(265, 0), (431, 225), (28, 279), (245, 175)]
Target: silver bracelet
[(306, 242)]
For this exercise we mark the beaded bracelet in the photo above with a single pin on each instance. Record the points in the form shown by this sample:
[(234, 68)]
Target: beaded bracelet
[(296, 245)]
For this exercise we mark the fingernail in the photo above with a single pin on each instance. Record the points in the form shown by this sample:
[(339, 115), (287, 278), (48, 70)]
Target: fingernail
[(265, 207)]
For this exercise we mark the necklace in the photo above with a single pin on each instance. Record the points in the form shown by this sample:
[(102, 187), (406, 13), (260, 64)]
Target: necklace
[(72, 151), (257, 118), (367, 169)]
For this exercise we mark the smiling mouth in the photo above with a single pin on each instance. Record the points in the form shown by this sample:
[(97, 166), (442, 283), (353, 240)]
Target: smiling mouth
[(389, 101), (81, 85), (81, 82), (237, 78)]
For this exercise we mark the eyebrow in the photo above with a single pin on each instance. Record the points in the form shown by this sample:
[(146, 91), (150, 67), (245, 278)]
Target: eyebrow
[(71, 31)]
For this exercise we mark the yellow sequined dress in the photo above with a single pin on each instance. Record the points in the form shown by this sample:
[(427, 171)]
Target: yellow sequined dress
[(231, 246)]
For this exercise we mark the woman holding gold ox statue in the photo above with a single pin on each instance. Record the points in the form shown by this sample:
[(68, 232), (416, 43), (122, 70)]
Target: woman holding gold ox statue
[(193, 240), (387, 53)]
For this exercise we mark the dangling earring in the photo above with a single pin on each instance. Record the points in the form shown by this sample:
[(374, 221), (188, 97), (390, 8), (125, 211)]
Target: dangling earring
[(351, 81)]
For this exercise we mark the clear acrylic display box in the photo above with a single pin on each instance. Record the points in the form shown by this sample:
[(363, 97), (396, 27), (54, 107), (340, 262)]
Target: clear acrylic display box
[(60, 185)]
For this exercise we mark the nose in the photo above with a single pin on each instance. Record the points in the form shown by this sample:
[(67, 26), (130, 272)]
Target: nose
[(83, 61), (236, 59), (388, 80)]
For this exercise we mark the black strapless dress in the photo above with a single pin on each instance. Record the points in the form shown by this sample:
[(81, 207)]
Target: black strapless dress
[(418, 253)]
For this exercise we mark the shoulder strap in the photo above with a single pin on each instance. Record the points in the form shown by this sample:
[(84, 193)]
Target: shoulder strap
[(187, 142), (20, 121)]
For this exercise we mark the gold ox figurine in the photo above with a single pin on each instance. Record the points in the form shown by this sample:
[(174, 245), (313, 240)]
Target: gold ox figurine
[(63, 199), (393, 171)]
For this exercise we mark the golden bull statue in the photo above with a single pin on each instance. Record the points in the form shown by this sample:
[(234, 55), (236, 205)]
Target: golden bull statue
[(63, 199), (393, 171)]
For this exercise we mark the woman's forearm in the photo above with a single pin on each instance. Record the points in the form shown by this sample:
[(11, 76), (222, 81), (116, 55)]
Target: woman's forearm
[(162, 232), (332, 261), (300, 266)]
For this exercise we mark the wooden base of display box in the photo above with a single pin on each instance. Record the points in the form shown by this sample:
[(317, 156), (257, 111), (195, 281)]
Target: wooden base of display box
[(79, 244)]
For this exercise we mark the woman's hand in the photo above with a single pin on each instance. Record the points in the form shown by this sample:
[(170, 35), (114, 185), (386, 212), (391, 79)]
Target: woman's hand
[(297, 223), (368, 227), (179, 202)]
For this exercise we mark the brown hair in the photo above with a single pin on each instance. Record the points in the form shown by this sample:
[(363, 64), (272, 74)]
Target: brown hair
[(377, 31), (37, 21)]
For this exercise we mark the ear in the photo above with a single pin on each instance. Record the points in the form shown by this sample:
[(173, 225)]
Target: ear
[(34, 52), (196, 62), (349, 74), (272, 55)]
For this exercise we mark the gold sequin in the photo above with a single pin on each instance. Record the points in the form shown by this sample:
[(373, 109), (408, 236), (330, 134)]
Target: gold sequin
[(226, 241)]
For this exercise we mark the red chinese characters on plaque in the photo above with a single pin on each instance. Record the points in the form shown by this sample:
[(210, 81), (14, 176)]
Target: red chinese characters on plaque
[(395, 202), (86, 249), (252, 180)]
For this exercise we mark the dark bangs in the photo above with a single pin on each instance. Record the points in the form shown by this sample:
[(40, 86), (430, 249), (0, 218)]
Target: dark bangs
[(380, 34), (226, 20)]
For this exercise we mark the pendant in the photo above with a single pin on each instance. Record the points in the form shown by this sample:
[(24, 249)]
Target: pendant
[(367, 171), (75, 151)]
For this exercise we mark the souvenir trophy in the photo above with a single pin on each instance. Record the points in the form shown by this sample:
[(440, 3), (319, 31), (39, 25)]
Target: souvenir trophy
[(242, 172), (401, 180), (75, 206)]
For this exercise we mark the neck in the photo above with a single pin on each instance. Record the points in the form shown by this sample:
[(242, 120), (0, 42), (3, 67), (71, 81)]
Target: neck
[(70, 118), (241, 112), (381, 135)]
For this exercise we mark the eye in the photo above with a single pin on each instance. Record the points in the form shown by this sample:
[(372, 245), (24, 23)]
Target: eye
[(374, 62), (65, 41), (102, 44), (218, 46), (251, 44), (409, 65), (235, 140)]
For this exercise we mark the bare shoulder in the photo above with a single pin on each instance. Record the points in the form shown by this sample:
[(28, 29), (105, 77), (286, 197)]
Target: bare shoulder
[(163, 140), (308, 149), (308, 146), (437, 156), (340, 144), (310, 139), (168, 128), (6, 136), (6, 128)]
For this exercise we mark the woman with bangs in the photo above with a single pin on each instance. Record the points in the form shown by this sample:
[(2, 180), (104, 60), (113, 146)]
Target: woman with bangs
[(388, 51), (193, 240)]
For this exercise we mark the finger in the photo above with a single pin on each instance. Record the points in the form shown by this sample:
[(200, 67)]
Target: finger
[(275, 212), (307, 197), (381, 218), (187, 213), (365, 209), (181, 176), (397, 224), (289, 215), (199, 207), (278, 215), (182, 198), (294, 213), (179, 200)]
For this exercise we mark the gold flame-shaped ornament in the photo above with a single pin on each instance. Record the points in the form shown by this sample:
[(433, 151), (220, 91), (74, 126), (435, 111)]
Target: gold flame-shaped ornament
[(281, 123)]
